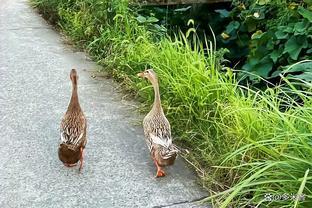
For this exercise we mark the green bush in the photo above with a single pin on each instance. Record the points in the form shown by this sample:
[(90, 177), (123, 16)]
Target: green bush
[(276, 34), (242, 145)]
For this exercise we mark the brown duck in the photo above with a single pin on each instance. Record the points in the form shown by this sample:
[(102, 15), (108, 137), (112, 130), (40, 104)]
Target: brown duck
[(73, 129), (157, 130)]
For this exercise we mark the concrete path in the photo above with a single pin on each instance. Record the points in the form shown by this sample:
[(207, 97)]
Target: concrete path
[(34, 93)]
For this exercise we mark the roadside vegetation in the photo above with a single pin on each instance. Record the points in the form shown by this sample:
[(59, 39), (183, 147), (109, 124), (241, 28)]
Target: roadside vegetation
[(250, 147)]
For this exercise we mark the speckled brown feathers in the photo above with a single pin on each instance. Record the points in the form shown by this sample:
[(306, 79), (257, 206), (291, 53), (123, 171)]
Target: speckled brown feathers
[(158, 138), (73, 129)]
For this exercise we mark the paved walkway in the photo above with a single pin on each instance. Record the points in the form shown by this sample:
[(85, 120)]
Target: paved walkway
[(34, 93)]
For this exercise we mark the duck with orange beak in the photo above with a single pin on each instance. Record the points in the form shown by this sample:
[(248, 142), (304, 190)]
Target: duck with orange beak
[(157, 129)]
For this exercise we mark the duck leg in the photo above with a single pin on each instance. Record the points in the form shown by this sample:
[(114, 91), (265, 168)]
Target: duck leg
[(81, 159), (160, 172)]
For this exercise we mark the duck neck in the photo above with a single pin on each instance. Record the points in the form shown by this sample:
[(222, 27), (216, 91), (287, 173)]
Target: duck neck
[(157, 102), (74, 101)]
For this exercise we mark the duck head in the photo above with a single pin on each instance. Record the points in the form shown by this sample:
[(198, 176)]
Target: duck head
[(73, 76), (148, 74)]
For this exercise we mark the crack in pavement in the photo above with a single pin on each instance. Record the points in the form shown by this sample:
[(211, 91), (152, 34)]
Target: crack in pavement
[(181, 202)]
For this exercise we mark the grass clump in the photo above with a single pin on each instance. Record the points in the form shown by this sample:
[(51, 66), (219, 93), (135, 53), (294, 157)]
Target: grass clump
[(250, 147)]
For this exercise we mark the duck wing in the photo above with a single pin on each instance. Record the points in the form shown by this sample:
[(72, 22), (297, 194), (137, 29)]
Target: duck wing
[(73, 131), (162, 140)]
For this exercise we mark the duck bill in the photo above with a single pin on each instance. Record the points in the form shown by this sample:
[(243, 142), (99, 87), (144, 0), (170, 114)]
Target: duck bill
[(141, 74)]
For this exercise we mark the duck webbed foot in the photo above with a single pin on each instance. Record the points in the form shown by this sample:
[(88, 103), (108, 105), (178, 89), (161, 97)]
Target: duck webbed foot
[(160, 172)]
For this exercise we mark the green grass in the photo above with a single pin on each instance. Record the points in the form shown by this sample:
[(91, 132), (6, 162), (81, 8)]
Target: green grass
[(244, 143)]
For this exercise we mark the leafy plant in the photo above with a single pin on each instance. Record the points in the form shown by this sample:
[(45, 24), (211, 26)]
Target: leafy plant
[(272, 34), (151, 23)]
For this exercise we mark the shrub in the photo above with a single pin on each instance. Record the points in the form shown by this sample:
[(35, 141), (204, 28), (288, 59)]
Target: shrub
[(276, 34)]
